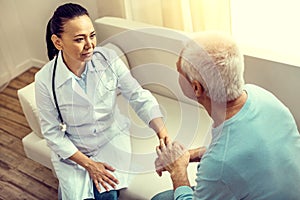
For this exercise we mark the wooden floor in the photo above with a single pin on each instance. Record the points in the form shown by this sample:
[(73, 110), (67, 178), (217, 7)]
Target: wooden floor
[(20, 177)]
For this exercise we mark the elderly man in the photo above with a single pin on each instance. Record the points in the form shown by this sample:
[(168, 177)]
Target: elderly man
[(255, 147)]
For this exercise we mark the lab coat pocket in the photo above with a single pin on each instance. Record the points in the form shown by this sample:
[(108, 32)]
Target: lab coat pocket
[(108, 79), (76, 115), (105, 92), (105, 99)]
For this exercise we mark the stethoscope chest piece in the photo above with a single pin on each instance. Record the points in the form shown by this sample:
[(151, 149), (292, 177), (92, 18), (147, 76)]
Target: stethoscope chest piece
[(62, 127)]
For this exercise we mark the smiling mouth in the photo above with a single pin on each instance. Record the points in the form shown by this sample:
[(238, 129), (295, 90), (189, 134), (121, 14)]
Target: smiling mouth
[(88, 54)]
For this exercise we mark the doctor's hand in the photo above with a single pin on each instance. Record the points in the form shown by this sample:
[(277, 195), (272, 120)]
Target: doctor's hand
[(171, 157), (100, 173)]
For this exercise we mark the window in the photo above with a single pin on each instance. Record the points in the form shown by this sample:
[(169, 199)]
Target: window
[(268, 29)]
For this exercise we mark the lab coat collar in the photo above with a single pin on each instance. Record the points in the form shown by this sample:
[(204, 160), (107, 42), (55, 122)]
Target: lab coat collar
[(63, 74)]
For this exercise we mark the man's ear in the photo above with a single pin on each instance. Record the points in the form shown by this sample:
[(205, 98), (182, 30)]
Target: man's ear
[(57, 42), (197, 87)]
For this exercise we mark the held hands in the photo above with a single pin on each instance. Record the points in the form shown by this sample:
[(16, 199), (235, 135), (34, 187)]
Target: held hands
[(171, 157), (195, 156), (99, 172), (174, 158)]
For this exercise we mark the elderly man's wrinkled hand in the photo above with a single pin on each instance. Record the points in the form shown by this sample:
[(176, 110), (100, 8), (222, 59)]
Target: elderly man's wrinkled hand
[(171, 157)]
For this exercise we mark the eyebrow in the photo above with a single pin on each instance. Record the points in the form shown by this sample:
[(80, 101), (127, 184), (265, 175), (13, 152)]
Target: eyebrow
[(82, 35)]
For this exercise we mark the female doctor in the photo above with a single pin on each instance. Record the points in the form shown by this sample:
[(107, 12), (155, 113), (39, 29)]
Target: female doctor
[(76, 98)]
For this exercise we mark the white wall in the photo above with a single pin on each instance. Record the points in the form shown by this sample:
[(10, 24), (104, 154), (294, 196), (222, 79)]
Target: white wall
[(14, 45), (281, 79), (22, 30), (35, 14)]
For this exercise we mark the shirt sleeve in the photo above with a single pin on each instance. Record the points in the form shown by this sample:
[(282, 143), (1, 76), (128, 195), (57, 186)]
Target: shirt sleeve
[(57, 140), (141, 100), (210, 183), (183, 193)]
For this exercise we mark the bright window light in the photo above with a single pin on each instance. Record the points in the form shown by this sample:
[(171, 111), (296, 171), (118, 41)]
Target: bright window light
[(268, 29)]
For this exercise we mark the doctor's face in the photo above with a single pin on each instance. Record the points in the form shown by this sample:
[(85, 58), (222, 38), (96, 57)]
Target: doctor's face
[(78, 40)]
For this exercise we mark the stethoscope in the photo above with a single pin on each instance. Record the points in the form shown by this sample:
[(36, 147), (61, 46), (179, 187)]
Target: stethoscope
[(62, 124)]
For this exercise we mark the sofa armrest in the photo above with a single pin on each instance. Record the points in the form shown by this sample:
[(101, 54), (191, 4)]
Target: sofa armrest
[(27, 100)]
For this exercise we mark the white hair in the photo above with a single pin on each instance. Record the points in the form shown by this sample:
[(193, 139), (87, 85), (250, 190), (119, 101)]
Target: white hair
[(214, 60)]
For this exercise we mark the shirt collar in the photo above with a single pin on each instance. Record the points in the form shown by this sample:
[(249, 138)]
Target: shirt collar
[(63, 74), (83, 75)]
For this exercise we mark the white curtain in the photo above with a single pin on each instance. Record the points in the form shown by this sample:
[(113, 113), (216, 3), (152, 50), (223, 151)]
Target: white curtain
[(186, 15)]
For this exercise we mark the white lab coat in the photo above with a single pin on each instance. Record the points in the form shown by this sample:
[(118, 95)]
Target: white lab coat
[(94, 124)]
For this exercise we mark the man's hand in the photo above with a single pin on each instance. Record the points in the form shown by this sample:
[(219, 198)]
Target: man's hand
[(174, 158), (195, 156)]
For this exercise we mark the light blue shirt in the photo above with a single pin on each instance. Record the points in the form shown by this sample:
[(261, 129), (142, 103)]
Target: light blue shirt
[(254, 155), (82, 79)]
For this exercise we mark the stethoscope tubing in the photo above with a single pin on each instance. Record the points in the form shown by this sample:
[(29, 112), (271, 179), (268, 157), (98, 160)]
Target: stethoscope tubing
[(62, 124)]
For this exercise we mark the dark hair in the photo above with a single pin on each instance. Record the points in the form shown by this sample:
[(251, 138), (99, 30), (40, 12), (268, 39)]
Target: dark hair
[(55, 25)]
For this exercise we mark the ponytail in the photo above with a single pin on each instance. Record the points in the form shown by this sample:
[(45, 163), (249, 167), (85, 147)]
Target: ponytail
[(55, 25), (51, 49)]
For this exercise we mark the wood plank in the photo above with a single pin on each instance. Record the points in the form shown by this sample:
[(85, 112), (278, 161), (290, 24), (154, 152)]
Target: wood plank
[(17, 84), (18, 130), (26, 78), (10, 159), (10, 92), (13, 117), (28, 184), (20, 177), (10, 103), (26, 173), (9, 141), (39, 172), (34, 70), (9, 191)]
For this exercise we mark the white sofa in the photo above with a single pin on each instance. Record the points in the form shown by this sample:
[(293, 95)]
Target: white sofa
[(151, 53)]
